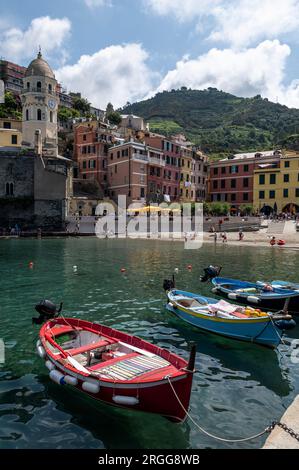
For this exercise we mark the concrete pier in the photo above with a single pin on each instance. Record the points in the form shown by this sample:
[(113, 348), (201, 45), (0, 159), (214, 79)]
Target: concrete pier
[(278, 438)]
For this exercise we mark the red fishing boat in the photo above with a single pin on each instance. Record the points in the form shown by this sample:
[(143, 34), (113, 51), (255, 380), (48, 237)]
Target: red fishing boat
[(116, 368)]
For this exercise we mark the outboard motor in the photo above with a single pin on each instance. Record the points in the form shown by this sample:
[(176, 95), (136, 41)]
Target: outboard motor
[(210, 273), (169, 284), (47, 310)]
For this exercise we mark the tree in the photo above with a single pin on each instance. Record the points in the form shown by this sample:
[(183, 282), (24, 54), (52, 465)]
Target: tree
[(114, 118), (109, 109), (81, 105), (11, 107)]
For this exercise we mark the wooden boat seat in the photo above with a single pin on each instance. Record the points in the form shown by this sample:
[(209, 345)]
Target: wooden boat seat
[(90, 347)]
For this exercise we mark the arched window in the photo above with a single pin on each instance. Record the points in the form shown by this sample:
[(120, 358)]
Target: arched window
[(39, 86), (50, 88), (28, 85), (9, 189), (27, 115), (39, 115), (51, 116)]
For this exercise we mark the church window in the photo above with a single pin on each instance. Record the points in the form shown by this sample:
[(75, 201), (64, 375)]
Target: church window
[(51, 116), (50, 88), (9, 189), (27, 115), (39, 115), (39, 86), (28, 86)]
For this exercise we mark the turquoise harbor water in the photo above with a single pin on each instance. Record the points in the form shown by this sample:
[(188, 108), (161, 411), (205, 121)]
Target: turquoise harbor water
[(238, 390)]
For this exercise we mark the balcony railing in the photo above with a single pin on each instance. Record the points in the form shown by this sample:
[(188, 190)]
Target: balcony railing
[(38, 90), (157, 161), (138, 156)]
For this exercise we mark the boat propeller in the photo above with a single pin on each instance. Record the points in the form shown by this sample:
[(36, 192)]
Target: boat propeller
[(210, 273), (47, 310)]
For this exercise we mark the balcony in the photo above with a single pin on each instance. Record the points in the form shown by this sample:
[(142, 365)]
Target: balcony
[(38, 90), (140, 157), (156, 161)]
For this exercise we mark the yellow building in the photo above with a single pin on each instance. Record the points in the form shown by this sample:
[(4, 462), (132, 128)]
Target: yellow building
[(10, 138), (276, 184), (187, 191)]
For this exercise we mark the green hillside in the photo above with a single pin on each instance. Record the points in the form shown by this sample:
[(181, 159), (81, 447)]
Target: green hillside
[(219, 122)]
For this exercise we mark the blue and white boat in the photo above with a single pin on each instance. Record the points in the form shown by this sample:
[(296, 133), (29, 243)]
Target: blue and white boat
[(233, 321), (264, 295)]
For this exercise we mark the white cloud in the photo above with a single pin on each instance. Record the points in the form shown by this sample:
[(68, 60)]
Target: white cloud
[(237, 22), (116, 73), (50, 34), (98, 3), (249, 72), (183, 10), (244, 22)]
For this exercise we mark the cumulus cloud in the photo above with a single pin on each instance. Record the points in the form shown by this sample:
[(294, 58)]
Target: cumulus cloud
[(116, 73), (249, 72), (49, 33), (244, 22), (237, 22)]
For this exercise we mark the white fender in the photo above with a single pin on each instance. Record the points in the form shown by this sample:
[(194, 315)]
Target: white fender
[(121, 400), (91, 387), (56, 376), (232, 296), (252, 299), (49, 365), (69, 380), (40, 351)]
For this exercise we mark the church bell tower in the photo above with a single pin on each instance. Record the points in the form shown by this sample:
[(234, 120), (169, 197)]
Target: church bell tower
[(40, 106)]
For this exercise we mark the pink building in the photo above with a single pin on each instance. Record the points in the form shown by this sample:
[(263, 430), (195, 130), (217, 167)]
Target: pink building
[(136, 171)]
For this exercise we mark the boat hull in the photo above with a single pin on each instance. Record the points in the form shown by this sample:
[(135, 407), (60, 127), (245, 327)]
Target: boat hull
[(260, 330), (157, 398)]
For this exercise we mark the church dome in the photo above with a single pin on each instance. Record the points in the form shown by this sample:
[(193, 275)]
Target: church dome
[(39, 67)]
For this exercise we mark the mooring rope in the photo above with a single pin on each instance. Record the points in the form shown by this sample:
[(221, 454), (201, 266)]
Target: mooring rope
[(265, 431)]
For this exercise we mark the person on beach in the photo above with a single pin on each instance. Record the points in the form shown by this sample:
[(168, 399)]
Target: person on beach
[(273, 241), (224, 237), (215, 237), (241, 235)]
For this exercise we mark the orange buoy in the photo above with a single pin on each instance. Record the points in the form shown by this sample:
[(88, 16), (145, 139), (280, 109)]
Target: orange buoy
[(281, 242), (31, 265), (189, 267), (123, 270)]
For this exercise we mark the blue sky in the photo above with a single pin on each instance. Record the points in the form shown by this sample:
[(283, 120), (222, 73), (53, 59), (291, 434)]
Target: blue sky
[(125, 50)]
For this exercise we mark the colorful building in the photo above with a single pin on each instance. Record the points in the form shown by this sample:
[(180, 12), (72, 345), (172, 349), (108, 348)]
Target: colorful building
[(92, 141), (232, 179), (171, 171), (136, 171), (276, 184)]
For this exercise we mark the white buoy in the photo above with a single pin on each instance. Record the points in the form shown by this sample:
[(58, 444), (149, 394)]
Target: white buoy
[(40, 351), (252, 299), (57, 377), (176, 270), (49, 365), (232, 296), (91, 387), (75, 269), (121, 400), (69, 380)]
